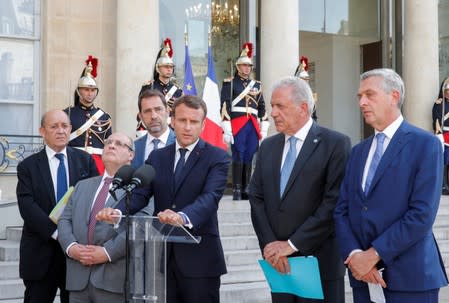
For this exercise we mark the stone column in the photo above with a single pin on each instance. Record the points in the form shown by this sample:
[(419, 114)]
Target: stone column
[(137, 48), (420, 60), (279, 43)]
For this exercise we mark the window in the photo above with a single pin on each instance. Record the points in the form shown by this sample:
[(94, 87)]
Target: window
[(19, 67), (222, 17)]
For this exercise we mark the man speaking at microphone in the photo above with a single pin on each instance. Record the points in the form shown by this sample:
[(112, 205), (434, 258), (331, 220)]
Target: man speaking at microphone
[(190, 179), (96, 252)]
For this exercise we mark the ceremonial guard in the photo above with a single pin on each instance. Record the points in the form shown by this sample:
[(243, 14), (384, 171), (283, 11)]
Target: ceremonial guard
[(90, 124), (440, 112), (302, 72), (162, 80), (242, 104)]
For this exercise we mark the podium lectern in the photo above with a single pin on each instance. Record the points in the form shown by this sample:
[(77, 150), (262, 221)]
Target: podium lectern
[(148, 240)]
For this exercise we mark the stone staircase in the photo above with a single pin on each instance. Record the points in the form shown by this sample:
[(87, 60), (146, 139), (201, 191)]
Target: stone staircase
[(244, 282)]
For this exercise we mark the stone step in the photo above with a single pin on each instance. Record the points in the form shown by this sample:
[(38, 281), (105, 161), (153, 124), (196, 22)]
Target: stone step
[(9, 250), (242, 257), (243, 274), (20, 300), (234, 216), (14, 233), (11, 289), (254, 292), (227, 204), (9, 270), (239, 243), (441, 232), (236, 229)]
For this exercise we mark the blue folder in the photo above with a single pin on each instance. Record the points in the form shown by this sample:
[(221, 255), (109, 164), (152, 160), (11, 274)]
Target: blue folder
[(302, 281)]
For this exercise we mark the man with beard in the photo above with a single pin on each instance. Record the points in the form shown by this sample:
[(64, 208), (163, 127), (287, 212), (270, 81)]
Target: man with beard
[(153, 113), (162, 80)]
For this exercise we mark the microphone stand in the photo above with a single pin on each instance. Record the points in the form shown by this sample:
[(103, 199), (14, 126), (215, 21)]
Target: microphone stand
[(127, 224)]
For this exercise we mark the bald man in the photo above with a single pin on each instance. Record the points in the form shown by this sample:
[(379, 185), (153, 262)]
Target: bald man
[(42, 179)]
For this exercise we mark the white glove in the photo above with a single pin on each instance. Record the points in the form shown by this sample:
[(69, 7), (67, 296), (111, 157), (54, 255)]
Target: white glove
[(227, 132), (264, 125)]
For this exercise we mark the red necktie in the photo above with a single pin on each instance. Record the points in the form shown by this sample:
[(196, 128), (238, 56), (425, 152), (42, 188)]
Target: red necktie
[(98, 205)]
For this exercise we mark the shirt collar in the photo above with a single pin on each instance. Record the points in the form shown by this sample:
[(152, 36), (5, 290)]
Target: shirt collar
[(391, 129), (301, 134), (51, 153), (190, 147), (163, 138)]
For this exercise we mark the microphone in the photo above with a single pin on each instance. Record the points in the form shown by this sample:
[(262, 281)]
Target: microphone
[(121, 178), (142, 177)]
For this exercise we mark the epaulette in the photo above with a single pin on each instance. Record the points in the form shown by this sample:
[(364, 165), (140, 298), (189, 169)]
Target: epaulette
[(148, 82), (438, 101), (229, 79)]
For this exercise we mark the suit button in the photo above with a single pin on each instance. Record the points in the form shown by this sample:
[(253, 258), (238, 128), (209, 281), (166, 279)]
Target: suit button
[(173, 206), (365, 208)]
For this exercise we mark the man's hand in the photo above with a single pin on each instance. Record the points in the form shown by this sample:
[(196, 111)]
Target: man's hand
[(171, 217), (108, 215), (88, 255), (373, 276), (81, 253), (361, 263), (98, 255), (276, 254)]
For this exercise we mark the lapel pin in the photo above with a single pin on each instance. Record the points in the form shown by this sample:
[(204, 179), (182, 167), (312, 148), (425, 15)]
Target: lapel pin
[(315, 140)]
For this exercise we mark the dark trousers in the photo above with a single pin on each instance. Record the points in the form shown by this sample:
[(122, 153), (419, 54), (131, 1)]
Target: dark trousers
[(361, 295), (181, 289), (44, 290), (334, 292)]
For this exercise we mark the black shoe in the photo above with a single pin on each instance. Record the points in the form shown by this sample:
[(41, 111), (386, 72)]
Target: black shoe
[(236, 194), (445, 191)]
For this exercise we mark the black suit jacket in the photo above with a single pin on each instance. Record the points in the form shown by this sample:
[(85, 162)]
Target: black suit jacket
[(36, 199), (304, 213)]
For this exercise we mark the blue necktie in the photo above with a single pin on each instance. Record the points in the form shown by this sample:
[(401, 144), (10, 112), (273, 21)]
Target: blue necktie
[(180, 164), (380, 137), (155, 143), (61, 178), (289, 162)]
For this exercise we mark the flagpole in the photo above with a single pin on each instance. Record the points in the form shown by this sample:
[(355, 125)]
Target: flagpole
[(186, 35)]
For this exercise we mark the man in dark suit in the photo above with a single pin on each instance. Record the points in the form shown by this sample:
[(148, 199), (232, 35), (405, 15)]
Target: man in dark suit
[(190, 179), (153, 112), (42, 261), (389, 199), (294, 189), (95, 251)]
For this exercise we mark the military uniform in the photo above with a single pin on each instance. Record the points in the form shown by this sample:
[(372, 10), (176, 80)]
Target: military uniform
[(90, 125), (170, 93), (91, 140), (243, 115), (441, 129)]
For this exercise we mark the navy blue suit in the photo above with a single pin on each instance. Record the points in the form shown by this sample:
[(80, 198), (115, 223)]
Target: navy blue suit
[(198, 193), (139, 146), (397, 214)]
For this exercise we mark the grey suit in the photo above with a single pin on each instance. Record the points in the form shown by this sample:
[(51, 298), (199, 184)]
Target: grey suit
[(72, 227)]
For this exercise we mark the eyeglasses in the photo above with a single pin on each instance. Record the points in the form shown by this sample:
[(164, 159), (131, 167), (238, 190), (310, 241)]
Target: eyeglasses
[(117, 143)]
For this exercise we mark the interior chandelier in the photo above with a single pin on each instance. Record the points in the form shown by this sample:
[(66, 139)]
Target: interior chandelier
[(221, 13)]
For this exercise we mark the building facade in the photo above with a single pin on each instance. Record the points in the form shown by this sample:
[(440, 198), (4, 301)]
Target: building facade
[(43, 45)]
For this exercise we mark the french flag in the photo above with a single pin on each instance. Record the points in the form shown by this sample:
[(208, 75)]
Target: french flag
[(212, 132)]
